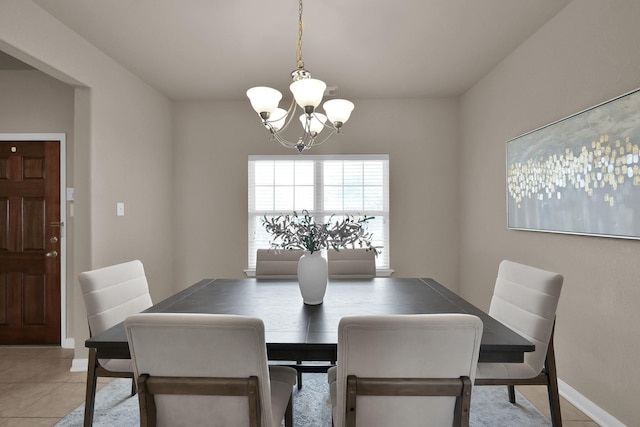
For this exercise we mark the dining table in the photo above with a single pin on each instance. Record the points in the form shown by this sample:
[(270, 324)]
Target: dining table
[(298, 332)]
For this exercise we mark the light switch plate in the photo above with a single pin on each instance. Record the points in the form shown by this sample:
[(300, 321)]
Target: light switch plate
[(119, 209)]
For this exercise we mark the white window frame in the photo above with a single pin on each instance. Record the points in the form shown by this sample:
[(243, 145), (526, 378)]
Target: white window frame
[(383, 265)]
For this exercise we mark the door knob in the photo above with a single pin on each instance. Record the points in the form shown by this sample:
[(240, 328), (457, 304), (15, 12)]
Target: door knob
[(54, 239), (52, 254)]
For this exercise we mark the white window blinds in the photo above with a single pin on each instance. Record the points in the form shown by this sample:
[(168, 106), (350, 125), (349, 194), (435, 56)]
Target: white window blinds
[(324, 186)]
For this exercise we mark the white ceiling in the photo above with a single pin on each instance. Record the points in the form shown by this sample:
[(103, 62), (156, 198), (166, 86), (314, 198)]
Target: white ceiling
[(201, 49)]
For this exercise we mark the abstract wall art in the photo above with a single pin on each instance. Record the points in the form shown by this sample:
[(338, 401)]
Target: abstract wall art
[(579, 175)]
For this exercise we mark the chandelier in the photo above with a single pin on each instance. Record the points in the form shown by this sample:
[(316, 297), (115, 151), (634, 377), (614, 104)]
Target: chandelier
[(307, 94)]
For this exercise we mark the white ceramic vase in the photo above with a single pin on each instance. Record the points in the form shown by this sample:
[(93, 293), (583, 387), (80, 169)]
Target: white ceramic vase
[(312, 277)]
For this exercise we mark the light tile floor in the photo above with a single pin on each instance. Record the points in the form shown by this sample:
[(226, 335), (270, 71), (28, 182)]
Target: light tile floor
[(37, 389)]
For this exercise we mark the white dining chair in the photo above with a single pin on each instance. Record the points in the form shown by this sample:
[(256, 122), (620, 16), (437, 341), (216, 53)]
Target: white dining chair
[(110, 295), (358, 263), (525, 299), (207, 370), (277, 264), (405, 370)]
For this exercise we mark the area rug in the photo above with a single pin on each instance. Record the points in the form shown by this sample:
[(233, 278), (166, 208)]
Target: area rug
[(490, 407)]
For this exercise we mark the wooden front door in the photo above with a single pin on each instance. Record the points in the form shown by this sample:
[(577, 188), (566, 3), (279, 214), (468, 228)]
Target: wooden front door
[(30, 228)]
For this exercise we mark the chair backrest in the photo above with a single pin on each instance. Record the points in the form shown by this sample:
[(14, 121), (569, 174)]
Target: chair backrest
[(113, 293), (277, 264), (201, 346), (351, 264), (525, 299), (425, 346)]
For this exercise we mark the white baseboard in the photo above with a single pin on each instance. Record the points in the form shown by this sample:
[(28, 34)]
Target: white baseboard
[(68, 343), (79, 365), (590, 409)]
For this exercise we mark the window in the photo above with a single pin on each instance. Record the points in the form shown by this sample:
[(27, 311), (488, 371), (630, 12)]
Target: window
[(324, 186)]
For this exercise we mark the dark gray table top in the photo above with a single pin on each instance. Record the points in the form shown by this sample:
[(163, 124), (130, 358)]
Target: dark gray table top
[(295, 331)]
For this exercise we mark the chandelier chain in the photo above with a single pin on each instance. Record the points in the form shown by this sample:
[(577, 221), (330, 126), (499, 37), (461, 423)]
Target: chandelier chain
[(299, 62)]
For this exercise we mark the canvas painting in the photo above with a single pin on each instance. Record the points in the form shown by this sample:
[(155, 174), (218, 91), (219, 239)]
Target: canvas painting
[(579, 175)]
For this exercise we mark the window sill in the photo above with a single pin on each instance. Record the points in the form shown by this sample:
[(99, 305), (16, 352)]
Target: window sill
[(380, 272)]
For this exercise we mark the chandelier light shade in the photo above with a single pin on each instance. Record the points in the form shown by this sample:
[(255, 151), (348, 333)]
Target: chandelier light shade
[(264, 99), (338, 111), (307, 94), (278, 119), (316, 124)]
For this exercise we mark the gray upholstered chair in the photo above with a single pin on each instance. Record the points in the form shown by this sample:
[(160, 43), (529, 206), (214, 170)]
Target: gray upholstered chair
[(207, 370), (277, 264), (405, 370), (110, 295), (351, 264), (525, 299)]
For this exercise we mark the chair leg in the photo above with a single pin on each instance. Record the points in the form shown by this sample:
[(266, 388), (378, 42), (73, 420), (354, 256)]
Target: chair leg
[(288, 414), (299, 362), (133, 387), (512, 393), (90, 396), (552, 386)]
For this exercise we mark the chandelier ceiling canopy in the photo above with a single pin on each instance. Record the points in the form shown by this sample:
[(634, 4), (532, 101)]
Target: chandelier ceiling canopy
[(307, 94)]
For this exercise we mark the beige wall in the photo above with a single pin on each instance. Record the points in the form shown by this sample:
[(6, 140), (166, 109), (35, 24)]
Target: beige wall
[(122, 151), (213, 140), (34, 102), (585, 55)]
